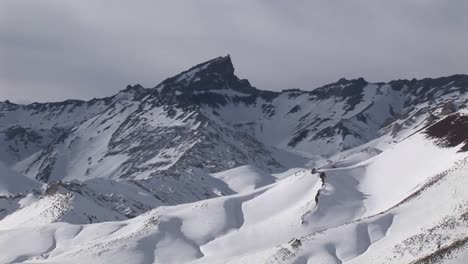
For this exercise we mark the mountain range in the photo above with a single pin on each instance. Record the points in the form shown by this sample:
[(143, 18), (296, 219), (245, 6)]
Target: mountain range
[(206, 168)]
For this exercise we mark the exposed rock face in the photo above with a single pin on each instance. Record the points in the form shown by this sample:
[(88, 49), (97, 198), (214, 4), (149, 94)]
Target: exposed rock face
[(450, 131)]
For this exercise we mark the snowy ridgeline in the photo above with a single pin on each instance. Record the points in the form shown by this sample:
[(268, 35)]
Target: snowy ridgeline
[(205, 168)]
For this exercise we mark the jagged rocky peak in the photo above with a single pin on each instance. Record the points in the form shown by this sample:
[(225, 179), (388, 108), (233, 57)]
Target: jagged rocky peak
[(210, 83), (7, 105), (457, 80), (215, 74), (136, 87), (342, 88), (351, 91), (346, 82), (133, 92)]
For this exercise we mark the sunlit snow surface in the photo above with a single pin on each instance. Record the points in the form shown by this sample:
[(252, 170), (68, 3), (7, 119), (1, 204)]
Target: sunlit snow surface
[(363, 215)]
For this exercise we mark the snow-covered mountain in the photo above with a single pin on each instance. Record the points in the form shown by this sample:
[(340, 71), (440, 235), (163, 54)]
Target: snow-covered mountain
[(205, 168)]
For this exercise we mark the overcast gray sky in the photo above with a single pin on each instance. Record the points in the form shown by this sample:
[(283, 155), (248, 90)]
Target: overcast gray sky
[(57, 49)]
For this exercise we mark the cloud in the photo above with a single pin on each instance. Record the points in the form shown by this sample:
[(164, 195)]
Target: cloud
[(56, 49)]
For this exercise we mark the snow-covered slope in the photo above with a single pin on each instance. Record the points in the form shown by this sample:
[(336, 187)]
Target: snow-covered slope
[(332, 216), (205, 168), (12, 182)]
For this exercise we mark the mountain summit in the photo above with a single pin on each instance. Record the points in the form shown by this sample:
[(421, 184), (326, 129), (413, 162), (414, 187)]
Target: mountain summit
[(215, 74)]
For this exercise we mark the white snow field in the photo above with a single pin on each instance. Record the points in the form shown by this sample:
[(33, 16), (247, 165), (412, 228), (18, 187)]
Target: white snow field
[(206, 169), (400, 206)]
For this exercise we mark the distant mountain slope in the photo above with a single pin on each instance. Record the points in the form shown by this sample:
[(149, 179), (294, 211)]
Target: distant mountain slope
[(207, 117)]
